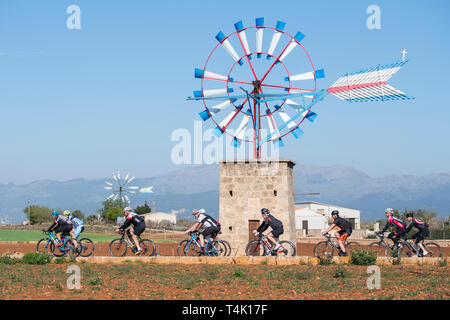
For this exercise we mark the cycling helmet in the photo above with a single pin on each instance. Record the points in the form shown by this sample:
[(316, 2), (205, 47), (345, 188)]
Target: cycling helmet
[(194, 211), (202, 211), (55, 213), (265, 211), (67, 213), (127, 209), (335, 213), (409, 215), (389, 210)]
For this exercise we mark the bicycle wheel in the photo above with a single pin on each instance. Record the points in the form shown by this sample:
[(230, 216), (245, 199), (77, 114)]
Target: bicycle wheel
[(434, 250), (147, 247), (228, 246), (323, 249), (404, 252), (377, 249), (43, 245), (71, 251), (255, 248), (287, 249), (87, 247), (191, 249), (218, 248), (180, 247), (57, 251), (353, 247), (118, 247)]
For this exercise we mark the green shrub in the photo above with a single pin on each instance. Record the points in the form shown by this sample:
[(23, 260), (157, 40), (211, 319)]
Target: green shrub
[(6, 259), (60, 260), (325, 261), (96, 281), (36, 258), (363, 258), (443, 262), (341, 272)]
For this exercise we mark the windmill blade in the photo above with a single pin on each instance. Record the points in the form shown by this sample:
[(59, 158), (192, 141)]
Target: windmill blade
[(259, 36), (369, 84), (199, 73), (243, 38), (292, 44), (240, 132), (108, 188), (219, 130), (126, 178), (127, 199), (133, 188), (221, 106), (276, 37), (114, 176), (108, 183), (318, 74), (212, 93), (228, 47), (111, 196)]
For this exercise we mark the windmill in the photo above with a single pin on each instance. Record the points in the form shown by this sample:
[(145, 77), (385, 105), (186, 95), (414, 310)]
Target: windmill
[(274, 90), (119, 188)]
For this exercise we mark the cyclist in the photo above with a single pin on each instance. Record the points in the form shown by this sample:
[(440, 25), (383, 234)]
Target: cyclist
[(345, 230), (135, 231), (78, 227), (424, 231), (62, 226), (202, 219), (398, 224), (275, 224)]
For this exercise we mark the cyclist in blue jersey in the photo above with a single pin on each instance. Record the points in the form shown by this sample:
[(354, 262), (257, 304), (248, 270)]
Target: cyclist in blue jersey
[(78, 226)]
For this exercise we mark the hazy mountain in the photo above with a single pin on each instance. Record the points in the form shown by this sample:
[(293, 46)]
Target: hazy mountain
[(197, 186)]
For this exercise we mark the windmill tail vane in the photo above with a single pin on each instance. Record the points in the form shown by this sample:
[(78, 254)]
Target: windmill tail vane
[(369, 84)]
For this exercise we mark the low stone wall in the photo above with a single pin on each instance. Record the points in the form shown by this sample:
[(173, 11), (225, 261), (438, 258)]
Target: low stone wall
[(250, 260)]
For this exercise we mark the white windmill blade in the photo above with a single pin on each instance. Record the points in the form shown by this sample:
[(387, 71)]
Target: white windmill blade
[(111, 196), (242, 36), (128, 199), (126, 178), (108, 188), (133, 188), (118, 177), (271, 129), (199, 73), (228, 47), (221, 106), (131, 179), (319, 74), (259, 35), (290, 124), (292, 44), (114, 176), (108, 183), (276, 37)]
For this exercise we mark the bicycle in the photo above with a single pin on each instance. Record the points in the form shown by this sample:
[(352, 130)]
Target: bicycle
[(262, 247), (48, 245), (326, 248), (381, 248), (191, 247), (434, 250), (43, 244), (119, 247)]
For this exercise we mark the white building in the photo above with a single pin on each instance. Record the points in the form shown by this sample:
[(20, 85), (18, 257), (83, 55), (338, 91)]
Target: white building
[(156, 217), (313, 217)]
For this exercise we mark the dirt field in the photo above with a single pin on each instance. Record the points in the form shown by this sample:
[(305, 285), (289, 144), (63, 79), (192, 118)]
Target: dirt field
[(152, 281)]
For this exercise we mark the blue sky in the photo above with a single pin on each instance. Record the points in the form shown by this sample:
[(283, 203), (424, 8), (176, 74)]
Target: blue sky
[(82, 103)]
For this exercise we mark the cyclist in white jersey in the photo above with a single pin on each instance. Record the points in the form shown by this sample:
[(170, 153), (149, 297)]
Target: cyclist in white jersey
[(202, 219)]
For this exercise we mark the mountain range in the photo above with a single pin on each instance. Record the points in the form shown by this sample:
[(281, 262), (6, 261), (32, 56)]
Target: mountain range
[(197, 187)]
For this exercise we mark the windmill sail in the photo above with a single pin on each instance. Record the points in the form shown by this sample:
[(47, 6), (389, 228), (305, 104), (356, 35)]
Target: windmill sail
[(369, 84)]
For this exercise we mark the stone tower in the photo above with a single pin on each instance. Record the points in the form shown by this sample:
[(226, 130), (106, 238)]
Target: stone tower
[(246, 186)]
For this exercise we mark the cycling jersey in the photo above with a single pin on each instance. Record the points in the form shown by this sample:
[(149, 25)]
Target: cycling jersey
[(207, 221), (270, 221), (132, 218), (343, 225), (75, 221), (398, 224), (419, 224), (60, 220)]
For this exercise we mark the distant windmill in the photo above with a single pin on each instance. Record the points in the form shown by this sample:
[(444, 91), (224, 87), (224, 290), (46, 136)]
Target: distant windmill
[(119, 188)]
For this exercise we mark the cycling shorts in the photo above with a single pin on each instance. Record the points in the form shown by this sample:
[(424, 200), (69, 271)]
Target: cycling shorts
[(277, 232), (64, 229), (78, 230), (210, 230)]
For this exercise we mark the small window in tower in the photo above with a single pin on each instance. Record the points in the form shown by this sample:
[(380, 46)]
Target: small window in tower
[(275, 193)]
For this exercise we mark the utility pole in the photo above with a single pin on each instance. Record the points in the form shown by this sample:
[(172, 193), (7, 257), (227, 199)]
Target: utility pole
[(29, 212)]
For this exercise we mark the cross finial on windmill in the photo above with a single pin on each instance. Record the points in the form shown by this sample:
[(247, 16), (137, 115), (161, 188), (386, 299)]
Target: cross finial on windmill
[(404, 52)]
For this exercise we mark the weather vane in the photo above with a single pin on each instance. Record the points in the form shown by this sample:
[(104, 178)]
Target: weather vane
[(263, 93)]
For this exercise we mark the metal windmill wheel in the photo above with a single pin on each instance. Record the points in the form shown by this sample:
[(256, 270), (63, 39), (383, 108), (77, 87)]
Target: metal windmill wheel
[(119, 187)]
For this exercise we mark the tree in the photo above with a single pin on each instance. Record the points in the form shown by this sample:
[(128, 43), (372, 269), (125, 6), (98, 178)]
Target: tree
[(112, 213), (38, 214), (78, 214), (91, 219), (109, 204), (143, 209)]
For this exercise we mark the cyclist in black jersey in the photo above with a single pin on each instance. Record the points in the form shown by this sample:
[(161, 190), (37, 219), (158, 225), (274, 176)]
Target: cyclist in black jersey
[(424, 231), (345, 230), (138, 227), (62, 226), (274, 223)]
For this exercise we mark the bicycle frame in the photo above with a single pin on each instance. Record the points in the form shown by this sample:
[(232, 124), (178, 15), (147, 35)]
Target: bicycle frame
[(193, 239)]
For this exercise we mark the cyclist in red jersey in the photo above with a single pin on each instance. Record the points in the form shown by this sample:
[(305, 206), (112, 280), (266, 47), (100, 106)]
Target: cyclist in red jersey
[(424, 231), (398, 224)]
